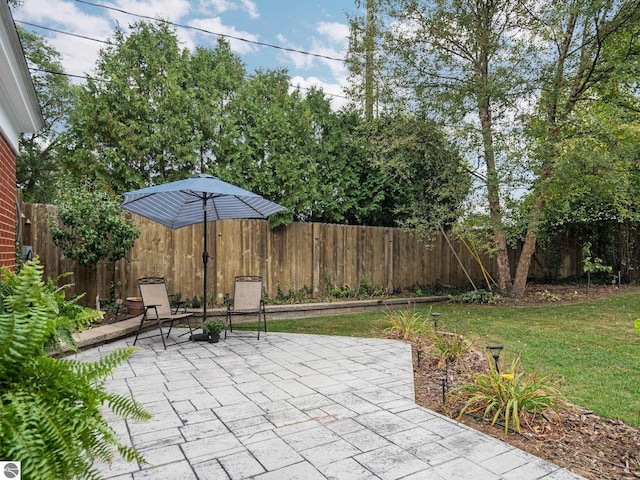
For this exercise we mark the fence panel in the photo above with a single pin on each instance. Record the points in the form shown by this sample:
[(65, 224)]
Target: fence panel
[(314, 255)]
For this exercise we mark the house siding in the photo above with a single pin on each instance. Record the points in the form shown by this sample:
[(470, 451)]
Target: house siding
[(7, 206)]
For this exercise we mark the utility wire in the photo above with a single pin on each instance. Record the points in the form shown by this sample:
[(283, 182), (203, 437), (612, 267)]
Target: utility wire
[(84, 77), (224, 35), (61, 32)]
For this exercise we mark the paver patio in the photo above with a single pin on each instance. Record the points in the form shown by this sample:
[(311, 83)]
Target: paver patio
[(293, 406)]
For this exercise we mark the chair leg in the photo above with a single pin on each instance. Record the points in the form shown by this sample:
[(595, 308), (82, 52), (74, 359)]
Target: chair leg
[(139, 330), (190, 329), (162, 334), (259, 316)]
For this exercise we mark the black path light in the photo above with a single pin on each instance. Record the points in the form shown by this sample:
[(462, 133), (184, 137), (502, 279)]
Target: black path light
[(436, 317), (495, 353)]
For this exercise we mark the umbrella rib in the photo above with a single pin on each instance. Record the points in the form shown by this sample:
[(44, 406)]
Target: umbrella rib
[(251, 207)]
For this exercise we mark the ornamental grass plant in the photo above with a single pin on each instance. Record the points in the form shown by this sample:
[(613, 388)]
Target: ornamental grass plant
[(405, 324), (512, 398)]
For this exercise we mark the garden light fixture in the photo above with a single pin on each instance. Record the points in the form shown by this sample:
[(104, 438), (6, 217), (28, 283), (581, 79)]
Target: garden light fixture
[(435, 316), (495, 353)]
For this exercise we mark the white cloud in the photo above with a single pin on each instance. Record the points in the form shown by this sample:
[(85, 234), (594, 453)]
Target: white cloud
[(251, 8), (215, 25), (248, 6), (331, 41), (334, 91), (337, 32), (78, 55), (172, 10), (299, 60)]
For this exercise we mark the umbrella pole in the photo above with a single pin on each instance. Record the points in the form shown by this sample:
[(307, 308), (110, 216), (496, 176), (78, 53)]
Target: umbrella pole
[(205, 260)]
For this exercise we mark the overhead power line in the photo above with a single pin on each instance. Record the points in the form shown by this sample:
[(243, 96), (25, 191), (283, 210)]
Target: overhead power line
[(61, 32), (208, 32), (84, 37), (85, 77)]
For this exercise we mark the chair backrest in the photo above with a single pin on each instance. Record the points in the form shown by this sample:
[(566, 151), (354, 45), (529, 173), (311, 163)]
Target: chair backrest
[(153, 291), (247, 293)]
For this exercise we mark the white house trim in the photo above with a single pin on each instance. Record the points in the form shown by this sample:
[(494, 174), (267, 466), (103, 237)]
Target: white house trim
[(19, 108)]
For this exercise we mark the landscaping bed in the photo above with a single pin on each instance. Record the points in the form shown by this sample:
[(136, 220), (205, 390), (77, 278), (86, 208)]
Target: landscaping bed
[(577, 439)]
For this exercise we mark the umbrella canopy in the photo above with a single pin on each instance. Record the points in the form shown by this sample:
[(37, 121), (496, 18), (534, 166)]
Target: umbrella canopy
[(199, 199), (181, 203)]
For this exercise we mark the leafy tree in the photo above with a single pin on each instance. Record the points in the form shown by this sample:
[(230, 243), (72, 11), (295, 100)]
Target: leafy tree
[(132, 125), (465, 62), (428, 177), (90, 228), (38, 165), (352, 189), (267, 146), (51, 410), (458, 59), (594, 45), (213, 80)]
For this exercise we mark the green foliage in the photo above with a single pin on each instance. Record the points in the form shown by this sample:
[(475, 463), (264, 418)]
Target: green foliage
[(448, 347), (427, 177), (266, 148), (510, 397), (594, 265), (135, 126), (476, 296), (292, 296), (91, 227), (51, 410), (70, 316), (213, 325), (405, 324), (38, 164)]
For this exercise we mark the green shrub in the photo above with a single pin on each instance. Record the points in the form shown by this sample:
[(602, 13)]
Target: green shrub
[(476, 296), (213, 325), (511, 397), (51, 409), (406, 325)]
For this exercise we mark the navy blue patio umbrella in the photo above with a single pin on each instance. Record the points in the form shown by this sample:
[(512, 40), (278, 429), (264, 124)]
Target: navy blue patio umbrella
[(199, 199)]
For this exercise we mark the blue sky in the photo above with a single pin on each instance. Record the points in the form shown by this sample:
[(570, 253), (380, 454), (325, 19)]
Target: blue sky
[(313, 26)]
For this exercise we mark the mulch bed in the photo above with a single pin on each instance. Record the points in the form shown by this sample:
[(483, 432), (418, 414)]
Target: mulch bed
[(577, 439)]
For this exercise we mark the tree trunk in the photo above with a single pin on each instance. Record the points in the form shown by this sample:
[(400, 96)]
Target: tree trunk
[(493, 191), (369, 46), (528, 249)]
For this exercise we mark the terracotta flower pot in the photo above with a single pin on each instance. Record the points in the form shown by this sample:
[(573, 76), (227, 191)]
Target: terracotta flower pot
[(134, 306)]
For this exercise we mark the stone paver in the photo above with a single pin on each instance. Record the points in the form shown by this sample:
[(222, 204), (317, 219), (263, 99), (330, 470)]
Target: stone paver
[(296, 406)]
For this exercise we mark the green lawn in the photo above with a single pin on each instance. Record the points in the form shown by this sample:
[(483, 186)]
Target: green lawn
[(592, 345)]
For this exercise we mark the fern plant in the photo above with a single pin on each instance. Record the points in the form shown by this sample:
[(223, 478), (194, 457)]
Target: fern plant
[(51, 409)]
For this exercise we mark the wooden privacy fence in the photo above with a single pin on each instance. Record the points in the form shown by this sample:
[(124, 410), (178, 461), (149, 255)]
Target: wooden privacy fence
[(314, 255)]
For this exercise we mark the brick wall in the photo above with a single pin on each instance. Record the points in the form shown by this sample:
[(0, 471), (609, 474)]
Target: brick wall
[(7, 205)]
